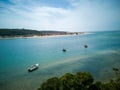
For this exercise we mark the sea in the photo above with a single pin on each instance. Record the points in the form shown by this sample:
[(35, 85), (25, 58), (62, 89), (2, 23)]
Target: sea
[(18, 54)]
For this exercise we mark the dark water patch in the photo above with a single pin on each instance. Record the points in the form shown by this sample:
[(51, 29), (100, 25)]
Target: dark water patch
[(101, 65)]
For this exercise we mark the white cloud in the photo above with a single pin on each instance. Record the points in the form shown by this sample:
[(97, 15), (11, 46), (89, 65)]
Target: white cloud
[(85, 15), (94, 15)]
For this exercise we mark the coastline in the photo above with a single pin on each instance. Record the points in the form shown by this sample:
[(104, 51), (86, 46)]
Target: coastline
[(44, 36)]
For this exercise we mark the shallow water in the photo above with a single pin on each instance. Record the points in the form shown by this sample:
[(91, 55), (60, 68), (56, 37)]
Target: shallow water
[(16, 55)]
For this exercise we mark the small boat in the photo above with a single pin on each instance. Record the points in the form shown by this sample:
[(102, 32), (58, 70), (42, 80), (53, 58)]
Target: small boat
[(85, 46), (33, 67), (64, 50)]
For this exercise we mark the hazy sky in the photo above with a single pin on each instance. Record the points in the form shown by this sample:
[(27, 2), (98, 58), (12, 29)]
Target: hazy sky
[(67, 15)]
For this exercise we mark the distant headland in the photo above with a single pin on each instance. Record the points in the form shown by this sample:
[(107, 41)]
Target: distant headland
[(24, 33)]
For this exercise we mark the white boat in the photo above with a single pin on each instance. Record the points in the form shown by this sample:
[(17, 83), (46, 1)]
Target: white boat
[(33, 67)]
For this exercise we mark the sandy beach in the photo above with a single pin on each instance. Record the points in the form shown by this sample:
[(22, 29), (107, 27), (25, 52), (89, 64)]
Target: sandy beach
[(44, 36)]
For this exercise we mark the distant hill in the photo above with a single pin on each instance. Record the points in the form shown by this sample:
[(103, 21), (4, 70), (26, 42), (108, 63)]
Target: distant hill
[(27, 32)]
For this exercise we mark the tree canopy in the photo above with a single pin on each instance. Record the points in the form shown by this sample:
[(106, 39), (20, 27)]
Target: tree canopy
[(79, 81)]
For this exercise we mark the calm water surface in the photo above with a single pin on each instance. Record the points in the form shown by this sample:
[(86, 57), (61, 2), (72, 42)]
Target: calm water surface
[(16, 55)]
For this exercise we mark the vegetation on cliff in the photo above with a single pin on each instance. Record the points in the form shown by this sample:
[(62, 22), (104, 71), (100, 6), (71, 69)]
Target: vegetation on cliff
[(80, 81)]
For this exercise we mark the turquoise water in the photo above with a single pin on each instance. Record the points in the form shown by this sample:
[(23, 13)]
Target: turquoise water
[(16, 55)]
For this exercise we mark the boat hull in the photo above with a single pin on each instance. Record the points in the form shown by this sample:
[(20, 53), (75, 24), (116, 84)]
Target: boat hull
[(33, 68)]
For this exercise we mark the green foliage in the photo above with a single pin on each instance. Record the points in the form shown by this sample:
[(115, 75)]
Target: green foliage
[(67, 81), (83, 79), (79, 81), (50, 84), (27, 32)]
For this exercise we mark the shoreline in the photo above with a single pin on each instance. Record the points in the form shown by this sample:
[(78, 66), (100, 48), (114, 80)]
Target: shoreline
[(44, 36)]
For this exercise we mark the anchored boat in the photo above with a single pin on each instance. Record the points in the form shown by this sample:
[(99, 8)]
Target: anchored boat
[(64, 50), (33, 67), (86, 46)]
